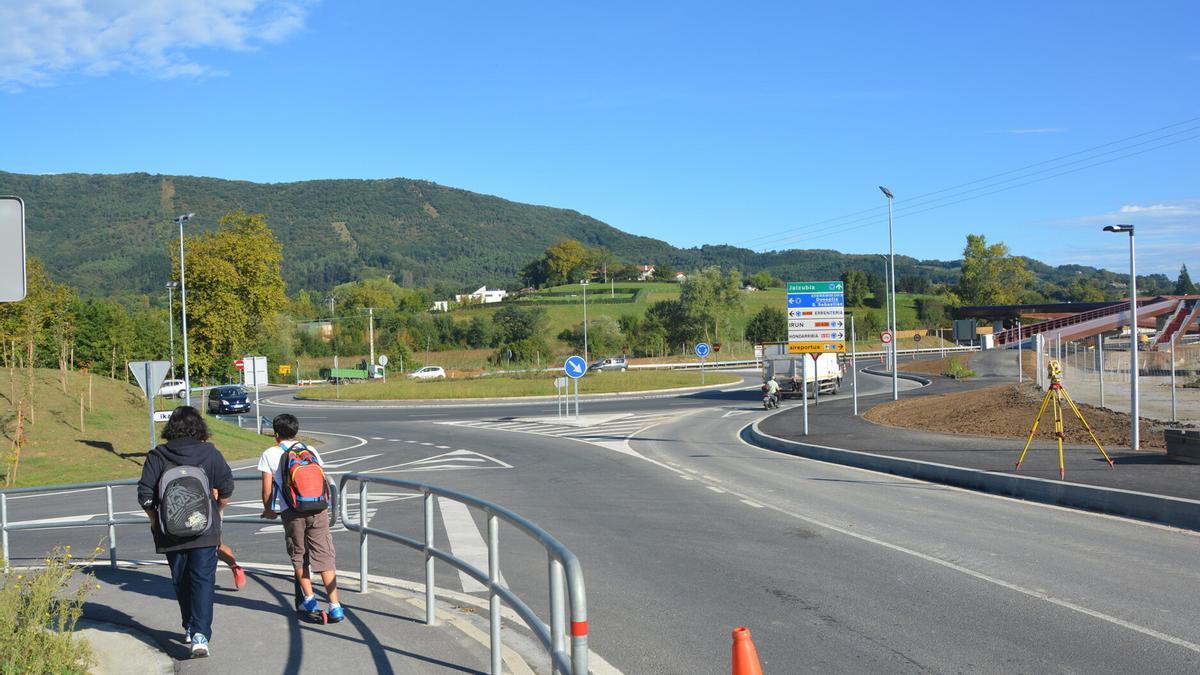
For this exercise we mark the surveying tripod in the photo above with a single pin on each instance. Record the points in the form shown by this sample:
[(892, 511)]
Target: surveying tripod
[(1056, 394)]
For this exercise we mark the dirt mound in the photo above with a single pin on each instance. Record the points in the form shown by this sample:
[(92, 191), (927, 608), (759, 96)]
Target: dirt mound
[(1008, 411)]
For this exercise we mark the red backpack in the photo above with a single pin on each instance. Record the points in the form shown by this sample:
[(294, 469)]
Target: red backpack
[(305, 489)]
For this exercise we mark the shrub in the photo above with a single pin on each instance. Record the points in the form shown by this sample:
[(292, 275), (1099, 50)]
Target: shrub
[(38, 612), (957, 370)]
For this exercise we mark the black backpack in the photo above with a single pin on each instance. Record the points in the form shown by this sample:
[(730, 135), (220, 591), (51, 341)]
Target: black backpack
[(184, 500)]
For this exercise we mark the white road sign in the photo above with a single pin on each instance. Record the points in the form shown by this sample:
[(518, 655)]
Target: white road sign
[(12, 249)]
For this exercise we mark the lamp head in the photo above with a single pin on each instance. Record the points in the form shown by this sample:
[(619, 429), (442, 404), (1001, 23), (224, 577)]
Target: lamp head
[(172, 284), (886, 192), (184, 218), (1119, 228)]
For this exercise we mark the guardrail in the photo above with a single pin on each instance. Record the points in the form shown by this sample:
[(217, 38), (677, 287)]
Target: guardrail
[(562, 566), (111, 521)]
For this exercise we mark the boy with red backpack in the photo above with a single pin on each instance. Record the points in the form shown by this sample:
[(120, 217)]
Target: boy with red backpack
[(294, 487)]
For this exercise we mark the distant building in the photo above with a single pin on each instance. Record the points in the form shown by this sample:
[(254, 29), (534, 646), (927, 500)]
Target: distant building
[(322, 329), (680, 276), (440, 306), (645, 272), (482, 296)]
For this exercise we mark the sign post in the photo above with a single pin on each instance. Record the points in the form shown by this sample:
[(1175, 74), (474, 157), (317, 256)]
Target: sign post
[(150, 376), (575, 368), (12, 249), (804, 390), (702, 350), (854, 364)]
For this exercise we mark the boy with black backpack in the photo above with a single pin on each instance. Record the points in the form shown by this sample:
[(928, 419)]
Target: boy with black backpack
[(185, 485), (294, 487)]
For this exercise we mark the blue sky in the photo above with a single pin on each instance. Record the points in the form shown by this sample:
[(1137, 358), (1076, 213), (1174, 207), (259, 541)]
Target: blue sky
[(761, 125)]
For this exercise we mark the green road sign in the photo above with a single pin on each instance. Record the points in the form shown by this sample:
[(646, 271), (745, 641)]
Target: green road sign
[(814, 287)]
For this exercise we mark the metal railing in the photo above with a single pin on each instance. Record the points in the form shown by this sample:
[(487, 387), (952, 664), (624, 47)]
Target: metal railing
[(111, 520), (563, 566)]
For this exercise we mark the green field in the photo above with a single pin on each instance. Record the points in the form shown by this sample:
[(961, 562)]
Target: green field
[(539, 384), (114, 437)]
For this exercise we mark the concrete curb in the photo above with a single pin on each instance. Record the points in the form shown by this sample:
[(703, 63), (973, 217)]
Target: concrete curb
[(1174, 511), (919, 379), (122, 649)]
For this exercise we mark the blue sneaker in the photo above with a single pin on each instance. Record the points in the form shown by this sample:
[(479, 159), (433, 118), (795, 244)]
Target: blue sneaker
[(199, 646), (309, 605), (336, 613)]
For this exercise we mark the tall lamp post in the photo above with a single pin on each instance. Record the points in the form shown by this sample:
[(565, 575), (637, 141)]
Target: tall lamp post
[(584, 283), (1134, 440), (171, 286), (187, 380), (887, 307), (892, 287)]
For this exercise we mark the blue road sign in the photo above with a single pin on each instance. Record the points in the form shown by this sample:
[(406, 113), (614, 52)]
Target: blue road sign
[(816, 300), (575, 367), (702, 349)]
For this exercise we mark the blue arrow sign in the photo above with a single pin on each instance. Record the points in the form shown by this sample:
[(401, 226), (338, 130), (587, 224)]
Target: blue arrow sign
[(575, 367), (702, 349)]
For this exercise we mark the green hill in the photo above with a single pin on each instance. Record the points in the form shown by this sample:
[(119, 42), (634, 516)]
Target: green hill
[(108, 234)]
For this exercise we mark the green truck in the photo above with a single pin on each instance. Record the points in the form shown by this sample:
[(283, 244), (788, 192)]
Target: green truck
[(360, 373)]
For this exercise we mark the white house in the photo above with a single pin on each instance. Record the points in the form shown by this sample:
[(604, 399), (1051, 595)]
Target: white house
[(645, 272), (482, 296), (440, 306)]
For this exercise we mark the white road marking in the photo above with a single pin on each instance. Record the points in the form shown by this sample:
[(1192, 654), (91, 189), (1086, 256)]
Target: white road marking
[(447, 461), (347, 462), (715, 489), (756, 505), (466, 543), (377, 438)]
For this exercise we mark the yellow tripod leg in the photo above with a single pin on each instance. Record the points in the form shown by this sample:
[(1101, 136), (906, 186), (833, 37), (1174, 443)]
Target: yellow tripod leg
[(1036, 420), (1091, 433), (1058, 433)]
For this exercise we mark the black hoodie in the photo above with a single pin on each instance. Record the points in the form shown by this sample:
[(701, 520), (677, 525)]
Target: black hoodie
[(185, 452)]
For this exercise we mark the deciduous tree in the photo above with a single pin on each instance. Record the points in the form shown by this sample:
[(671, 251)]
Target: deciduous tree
[(990, 276)]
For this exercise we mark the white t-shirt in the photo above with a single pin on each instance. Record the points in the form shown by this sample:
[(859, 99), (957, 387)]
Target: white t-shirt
[(269, 463)]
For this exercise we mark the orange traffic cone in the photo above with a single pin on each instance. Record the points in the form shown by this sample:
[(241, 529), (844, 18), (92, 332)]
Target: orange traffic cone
[(745, 656)]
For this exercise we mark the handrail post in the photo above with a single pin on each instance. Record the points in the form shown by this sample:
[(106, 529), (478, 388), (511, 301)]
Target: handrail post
[(4, 526), (430, 603), (363, 586), (494, 599), (112, 528), (558, 611)]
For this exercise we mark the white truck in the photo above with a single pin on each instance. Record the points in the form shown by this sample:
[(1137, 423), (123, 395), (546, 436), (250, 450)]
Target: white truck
[(789, 369)]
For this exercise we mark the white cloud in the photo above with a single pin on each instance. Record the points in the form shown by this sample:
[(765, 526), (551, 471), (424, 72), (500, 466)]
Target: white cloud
[(1160, 210), (1168, 234), (41, 40)]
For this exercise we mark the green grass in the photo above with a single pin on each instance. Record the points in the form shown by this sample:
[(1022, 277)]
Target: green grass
[(113, 440), (540, 384)]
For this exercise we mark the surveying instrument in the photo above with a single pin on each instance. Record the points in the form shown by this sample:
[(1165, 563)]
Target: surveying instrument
[(1056, 394)]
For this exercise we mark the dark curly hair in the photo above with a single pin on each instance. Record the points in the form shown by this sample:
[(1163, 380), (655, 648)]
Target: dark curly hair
[(185, 422)]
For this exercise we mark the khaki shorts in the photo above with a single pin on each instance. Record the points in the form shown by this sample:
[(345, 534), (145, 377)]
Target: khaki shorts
[(309, 534)]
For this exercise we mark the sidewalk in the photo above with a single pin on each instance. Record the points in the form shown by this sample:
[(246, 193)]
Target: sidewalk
[(832, 423), (256, 631)]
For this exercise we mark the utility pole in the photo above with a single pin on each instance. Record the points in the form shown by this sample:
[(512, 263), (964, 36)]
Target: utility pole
[(584, 283), (371, 330), (187, 380)]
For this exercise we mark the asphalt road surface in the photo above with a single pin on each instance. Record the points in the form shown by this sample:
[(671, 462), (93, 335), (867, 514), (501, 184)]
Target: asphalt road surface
[(685, 532)]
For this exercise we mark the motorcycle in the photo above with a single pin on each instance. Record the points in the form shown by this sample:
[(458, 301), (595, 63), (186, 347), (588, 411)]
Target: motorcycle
[(769, 400)]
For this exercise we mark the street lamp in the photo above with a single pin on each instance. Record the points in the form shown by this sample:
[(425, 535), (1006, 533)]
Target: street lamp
[(892, 287), (171, 286), (584, 283), (887, 307), (187, 381), (1133, 338)]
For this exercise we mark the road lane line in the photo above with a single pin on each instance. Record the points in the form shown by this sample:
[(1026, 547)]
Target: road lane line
[(715, 489), (756, 505), (466, 543)]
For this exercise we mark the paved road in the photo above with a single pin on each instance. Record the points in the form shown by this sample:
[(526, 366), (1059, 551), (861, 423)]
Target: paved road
[(685, 532)]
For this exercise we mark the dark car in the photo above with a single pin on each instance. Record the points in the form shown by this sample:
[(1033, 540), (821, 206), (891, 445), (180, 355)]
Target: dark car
[(227, 400)]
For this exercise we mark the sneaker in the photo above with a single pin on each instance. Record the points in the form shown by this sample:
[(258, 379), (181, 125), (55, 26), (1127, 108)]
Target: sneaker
[(239, 577), (199, 646), (187, 636), (336, 613), (309, 605)]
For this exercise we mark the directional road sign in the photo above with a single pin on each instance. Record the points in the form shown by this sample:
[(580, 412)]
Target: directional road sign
[(575, 367), (816, 317), (162, 415), (702, 349), (12, 249)]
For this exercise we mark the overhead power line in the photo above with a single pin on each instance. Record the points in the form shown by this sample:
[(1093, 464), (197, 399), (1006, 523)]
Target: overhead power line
[(1018, 175)]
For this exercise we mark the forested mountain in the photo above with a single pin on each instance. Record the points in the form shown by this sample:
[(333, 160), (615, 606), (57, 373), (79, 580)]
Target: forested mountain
[(107, 234)]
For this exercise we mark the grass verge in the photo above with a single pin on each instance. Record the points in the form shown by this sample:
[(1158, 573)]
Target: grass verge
[(540, 384), (111, 442), (38, 612)]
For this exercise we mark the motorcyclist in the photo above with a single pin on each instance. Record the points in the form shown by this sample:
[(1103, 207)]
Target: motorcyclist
[(773, 391)]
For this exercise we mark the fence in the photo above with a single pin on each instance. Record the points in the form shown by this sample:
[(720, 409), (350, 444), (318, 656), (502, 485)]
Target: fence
[(563, 566), (1096, 371)]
